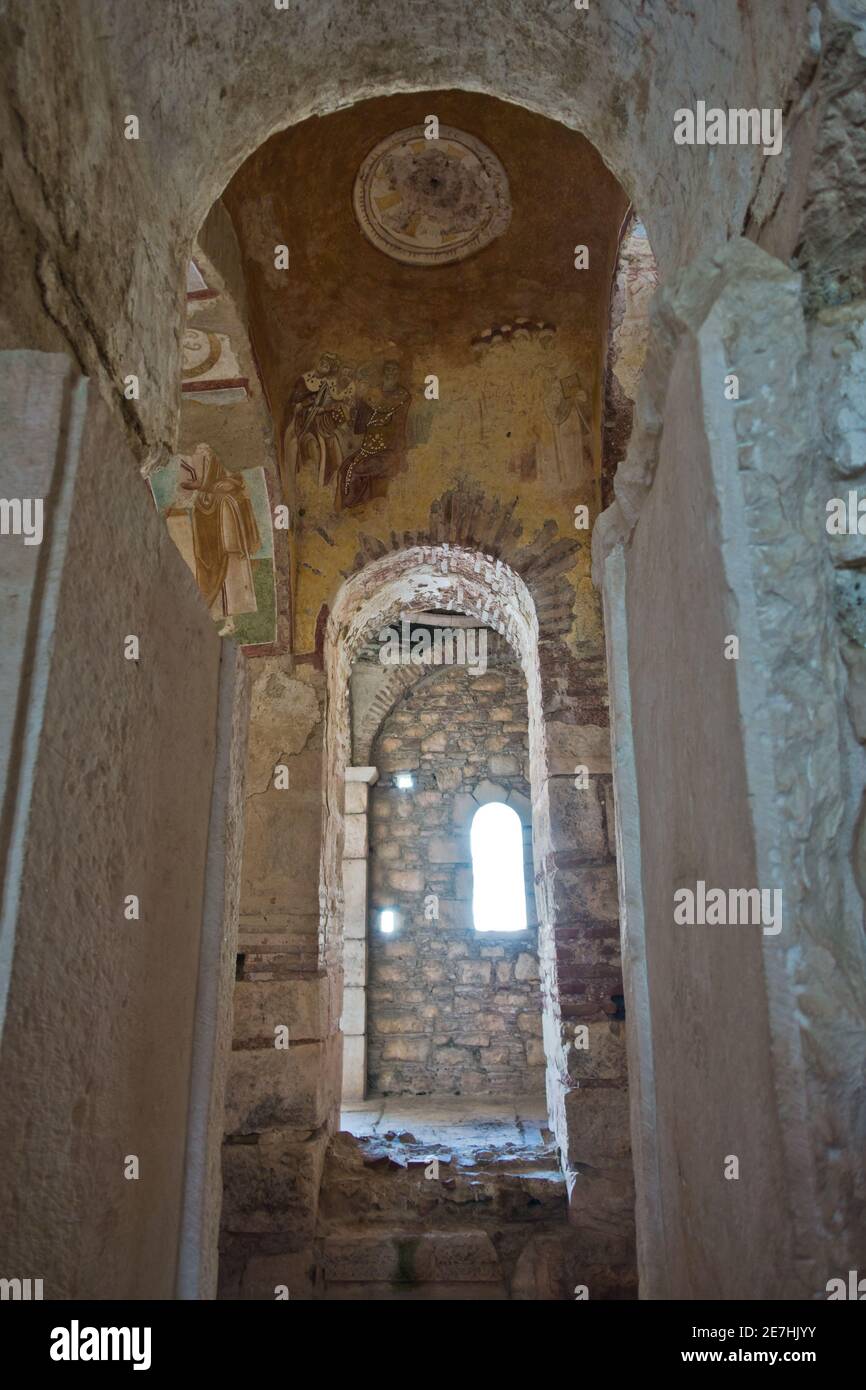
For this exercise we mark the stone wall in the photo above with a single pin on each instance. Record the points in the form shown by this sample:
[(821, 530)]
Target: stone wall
[(111, 782), (450, 1009)]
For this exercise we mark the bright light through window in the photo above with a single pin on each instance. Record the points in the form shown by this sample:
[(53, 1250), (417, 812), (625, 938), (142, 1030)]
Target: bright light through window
[(498, 892), (387, 920), (404, 780)]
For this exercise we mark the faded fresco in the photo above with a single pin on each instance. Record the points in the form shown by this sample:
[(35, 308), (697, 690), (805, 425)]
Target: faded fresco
[(399, 370), (221, 524), (347, 428)]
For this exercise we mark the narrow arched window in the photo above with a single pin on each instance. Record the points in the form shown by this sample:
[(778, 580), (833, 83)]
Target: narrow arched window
[(498, 887)]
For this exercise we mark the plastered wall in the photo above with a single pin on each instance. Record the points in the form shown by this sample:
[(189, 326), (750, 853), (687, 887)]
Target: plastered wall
[(96, 1050), (724, 1238)]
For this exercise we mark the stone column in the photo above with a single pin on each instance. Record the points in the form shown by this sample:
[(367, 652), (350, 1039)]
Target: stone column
[(353, 1022)]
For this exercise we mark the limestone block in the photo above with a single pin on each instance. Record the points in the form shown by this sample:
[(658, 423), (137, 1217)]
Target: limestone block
[(354, 1067), (570, 890), (491, 683), (427, 800), (503, 765), (390, 972), (405, 760), (354, 1019), (360, 1258), (539, 1274), (605, 1054), (299, 1273), (435, 1257), (474, 972), (434, 743), (355, 898), (601, 1207), (356, 797), (526, 967), (597, 1124), (273, 1185), (577, 745), (278, 1087), (370, 775), (489, 1022), (570, 818), (448, 779), (530, 1023), (456, 1256), (354, 963), (300, 1004), (448, 849), (399, 1023), (489, 791), (406, 1049), (355, 842), (521, 804), (389, 850), (406, 880)]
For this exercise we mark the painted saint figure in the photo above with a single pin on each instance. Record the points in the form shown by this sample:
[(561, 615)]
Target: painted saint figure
[(225, 534), (321, 406), (380, 416), (565, 404)]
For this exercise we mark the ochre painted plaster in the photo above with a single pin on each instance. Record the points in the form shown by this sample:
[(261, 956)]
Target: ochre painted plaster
[(494, 422)]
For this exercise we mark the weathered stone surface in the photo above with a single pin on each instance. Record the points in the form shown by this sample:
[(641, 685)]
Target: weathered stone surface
[(487, 790), (356, 795), (273, 1185), (299, 1273), (570, 746), (571, 818), (446, 1257), (597, 1125), (275, 1087), (354, 1018), (355, 841), (446, 971), (300, 1004), (354, 963)]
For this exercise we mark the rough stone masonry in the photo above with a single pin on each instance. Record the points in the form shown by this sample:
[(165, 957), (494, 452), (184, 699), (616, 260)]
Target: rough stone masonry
[(450, 1010)]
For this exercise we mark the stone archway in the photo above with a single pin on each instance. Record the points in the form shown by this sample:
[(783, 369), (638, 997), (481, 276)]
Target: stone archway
[(95, 278), (575, 875)]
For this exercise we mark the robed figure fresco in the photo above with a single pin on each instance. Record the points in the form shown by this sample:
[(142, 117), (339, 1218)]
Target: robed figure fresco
[(321, 407), (225, 534), (380, 418), (348, 424)]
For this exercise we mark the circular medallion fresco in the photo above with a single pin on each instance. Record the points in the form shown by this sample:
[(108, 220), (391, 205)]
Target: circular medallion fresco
[(200, 350), (431, 202)]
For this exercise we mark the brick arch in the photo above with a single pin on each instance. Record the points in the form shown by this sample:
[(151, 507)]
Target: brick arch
[(396, 680)]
